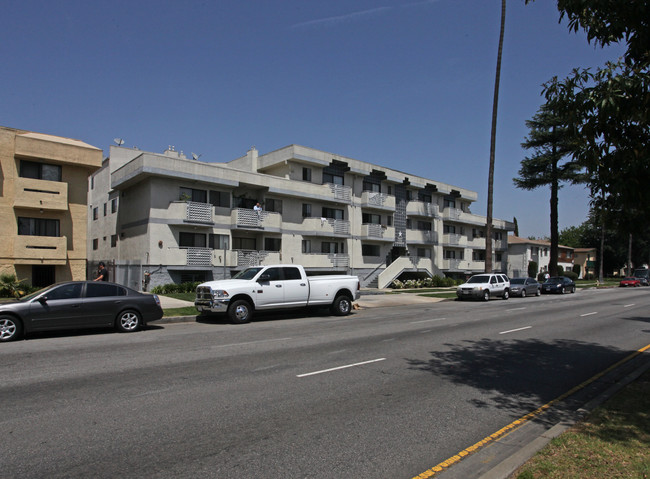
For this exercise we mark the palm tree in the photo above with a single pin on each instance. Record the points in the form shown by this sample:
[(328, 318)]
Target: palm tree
[(493, 136)]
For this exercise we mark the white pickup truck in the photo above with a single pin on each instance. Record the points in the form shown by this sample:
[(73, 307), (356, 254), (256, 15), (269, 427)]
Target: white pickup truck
[(282, 286)]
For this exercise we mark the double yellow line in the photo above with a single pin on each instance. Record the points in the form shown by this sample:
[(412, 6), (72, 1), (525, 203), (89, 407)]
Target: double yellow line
[(522, 420)]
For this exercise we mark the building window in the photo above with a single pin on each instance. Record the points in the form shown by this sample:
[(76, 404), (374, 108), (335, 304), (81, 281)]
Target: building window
[(332, 213), (273, 205), (368, 218), (306, 246), (371, 186), (95, 213), (424, 197), (450, 203), (113, 241), (497, 257), (329, 247), (450, 254), (478, 255), (244, 243), (114, 205), (190, 194), (370, 250), (220, 198), (424, 226), (478, 233), (95, 244), (105, 209), (424, 253), (218, 241), (40, 171), (498, 235), (306, 210), (306, 174), (448, 229), (332, 178), (38, 227), (272, 244), (191, 240)]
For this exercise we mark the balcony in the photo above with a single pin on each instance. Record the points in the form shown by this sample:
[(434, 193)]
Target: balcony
[(373, 199), (419, 208), (249, 219), (41, 194), (190, 212), (421, 237), (340, 192), (371, 231), (453, 239), (248, 258), (40, 249), (452, 214), (324, 227)]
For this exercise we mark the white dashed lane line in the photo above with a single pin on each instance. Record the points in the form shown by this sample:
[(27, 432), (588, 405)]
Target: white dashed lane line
[(515, 330)]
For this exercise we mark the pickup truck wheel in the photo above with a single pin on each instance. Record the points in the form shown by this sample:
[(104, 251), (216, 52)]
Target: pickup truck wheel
[(341, 306), (240, 311)]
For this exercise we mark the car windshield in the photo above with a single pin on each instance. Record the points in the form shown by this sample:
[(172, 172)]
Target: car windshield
[(517, 281), (630, 279), (248, 273), (482, 278), (31, 296), (555, 279)]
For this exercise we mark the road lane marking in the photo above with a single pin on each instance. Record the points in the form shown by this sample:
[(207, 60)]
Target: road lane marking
[(441, 467), (628, 305), (515, 330), (588, 314), (340, 367), (249, 342), (515, 309), (427, 320)]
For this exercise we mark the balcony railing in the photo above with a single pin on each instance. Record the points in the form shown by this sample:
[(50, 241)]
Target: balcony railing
[(426, 237), (199, 256), (30, 249), (374, 199), (245, 218), (199, 212), (420, 208), (41, 194), (340, 192), (376, 231)]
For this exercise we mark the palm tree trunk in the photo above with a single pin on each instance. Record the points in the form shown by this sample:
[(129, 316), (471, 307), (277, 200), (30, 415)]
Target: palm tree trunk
[(493, 135)]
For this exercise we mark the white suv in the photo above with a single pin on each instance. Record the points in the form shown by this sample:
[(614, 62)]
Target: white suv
[(482, 286)]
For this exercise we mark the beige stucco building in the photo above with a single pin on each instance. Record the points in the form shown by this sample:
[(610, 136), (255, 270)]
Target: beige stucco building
[(44, 206), (185, 220)]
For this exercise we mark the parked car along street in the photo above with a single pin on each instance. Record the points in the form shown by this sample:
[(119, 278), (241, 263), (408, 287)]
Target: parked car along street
[(524, 287), (630, 281), (78, 305), (483, 286), (559, 284)]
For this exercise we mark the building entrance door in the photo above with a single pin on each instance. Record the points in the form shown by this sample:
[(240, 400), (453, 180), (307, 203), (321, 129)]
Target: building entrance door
[(43, 275)]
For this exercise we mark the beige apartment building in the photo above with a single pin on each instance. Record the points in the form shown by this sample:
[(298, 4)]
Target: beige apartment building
[(166, 218), (43, 205)]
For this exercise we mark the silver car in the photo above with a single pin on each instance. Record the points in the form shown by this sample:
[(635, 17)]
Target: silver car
[(525, 287)]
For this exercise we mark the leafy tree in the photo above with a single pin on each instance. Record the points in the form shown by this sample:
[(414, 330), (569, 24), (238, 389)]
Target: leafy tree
[(550, 165), (495, 104), (533, 268), (10, 286)]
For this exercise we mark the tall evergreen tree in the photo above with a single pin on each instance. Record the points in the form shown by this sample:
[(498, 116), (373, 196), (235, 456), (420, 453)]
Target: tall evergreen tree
[(550, 165)]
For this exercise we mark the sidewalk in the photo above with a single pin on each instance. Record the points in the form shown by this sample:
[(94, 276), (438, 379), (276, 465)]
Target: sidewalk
[(375, 300)]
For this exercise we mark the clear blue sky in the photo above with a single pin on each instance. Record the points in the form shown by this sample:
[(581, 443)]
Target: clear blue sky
[(402, 84)]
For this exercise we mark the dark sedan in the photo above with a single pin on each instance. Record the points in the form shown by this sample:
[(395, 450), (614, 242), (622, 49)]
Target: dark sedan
[(524, 287), (559, 284), (77, 305)]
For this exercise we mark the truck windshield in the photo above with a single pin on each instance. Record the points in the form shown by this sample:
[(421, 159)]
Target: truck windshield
[(248, 273)]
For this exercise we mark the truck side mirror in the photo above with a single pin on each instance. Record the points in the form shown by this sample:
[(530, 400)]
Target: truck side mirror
[(264, 278)]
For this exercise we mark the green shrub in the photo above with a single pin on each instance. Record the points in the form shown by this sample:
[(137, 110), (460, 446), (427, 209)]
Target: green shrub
[(571, 274)]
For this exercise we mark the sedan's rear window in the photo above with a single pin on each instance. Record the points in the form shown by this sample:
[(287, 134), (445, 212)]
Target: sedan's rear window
[(100, 290)]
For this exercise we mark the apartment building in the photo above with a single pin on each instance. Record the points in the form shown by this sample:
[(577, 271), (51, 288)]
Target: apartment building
[(178, 219), (43, 205), (522, 251)]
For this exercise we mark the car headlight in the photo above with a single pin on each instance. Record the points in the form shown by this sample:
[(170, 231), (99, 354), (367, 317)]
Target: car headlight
[(220, 294)]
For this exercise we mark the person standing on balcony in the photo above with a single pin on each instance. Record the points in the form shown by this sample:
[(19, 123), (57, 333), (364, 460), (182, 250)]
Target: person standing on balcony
[(257, 208)]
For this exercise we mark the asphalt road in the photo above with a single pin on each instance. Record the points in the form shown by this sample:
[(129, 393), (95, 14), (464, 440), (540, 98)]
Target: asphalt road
[(384, 393)]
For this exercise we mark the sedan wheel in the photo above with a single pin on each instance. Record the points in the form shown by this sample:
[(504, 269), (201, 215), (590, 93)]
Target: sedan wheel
[(523, 293), (538, 292), (128, 321), (10, 329), (486, 296)]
